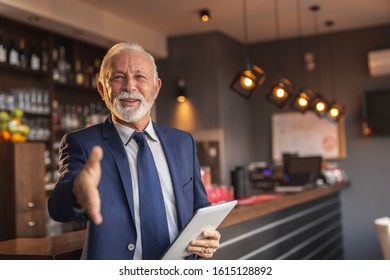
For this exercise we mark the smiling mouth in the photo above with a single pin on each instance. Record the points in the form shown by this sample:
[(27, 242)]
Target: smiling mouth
[(129, 101)]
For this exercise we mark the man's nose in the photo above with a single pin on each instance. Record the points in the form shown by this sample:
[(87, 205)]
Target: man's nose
[(130, 84)]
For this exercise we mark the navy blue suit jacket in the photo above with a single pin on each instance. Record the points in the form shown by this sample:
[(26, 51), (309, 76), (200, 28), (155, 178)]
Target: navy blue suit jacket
[(112, 238)]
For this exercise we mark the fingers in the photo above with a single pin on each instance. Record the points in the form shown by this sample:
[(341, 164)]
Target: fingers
[(85, 186), (92, 206), (207, 245), (94, 159)]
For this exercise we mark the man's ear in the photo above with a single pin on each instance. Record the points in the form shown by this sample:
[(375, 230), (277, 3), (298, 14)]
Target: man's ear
[(158, 87), (100, 89)]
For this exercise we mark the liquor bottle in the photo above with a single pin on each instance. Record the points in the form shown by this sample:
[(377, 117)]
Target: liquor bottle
[(35, 60), (44, 56), (3, 50), (62, 65), (13, 54), (22, 54), (56, 116), (86, 75), (97, 73), (56, 73), (79, 75)]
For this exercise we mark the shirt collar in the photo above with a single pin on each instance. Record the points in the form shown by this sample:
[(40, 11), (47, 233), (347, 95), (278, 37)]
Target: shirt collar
[(125, 131)]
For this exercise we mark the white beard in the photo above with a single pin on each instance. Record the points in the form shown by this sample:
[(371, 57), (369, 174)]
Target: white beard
[(129, 114)]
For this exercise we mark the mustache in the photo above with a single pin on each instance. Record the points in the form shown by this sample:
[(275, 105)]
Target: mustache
[(133, 95)]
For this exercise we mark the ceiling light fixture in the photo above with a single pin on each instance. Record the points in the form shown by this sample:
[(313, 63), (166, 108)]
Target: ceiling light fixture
[(247, 81), (336, 108), (181, 91), (320, 104), (204, 15), (281, 89), (305, 95)]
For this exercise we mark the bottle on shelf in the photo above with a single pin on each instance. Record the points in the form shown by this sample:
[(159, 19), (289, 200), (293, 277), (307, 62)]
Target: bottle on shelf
[(79, 74), (91, 76), (22, 54), (35, 60), (55, 71), (13, 54), (62, 65), (97, 72), (56, 116), (44, 57), (3, 49)]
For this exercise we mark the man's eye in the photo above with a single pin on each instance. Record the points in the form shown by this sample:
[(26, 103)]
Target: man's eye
[(117, 77), (140, 77)]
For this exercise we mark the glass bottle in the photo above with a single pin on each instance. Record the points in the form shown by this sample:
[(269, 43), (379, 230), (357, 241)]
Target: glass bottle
[(44, 55), (13, 54), (79, 74), (56, 73), (35, 60), (62, 65), (3, 50), (22, 54)]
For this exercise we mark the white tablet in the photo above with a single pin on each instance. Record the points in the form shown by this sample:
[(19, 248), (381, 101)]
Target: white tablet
[(204, 218)]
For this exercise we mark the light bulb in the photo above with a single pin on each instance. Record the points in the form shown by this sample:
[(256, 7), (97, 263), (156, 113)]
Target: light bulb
[(302, 102), (246, 80), (334, 112), (320, 106)]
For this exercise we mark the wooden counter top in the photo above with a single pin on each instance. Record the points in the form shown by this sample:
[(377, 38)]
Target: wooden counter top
[(246, 212), (64, 246), (69, 245)]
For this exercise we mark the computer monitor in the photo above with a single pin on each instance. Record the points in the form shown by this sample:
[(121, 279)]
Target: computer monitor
[(302, 170)]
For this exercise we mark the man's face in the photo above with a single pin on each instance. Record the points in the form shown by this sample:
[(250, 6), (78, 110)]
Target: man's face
[(131, 88)]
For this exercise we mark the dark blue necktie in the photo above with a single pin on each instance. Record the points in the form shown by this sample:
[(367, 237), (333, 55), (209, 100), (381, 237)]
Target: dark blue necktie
[(154, 227)]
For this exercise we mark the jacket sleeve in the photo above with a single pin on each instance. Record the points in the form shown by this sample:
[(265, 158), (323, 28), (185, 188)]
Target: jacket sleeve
[(61, 204)]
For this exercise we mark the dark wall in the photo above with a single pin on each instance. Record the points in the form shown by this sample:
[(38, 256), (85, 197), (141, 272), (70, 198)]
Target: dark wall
[(209, 62)]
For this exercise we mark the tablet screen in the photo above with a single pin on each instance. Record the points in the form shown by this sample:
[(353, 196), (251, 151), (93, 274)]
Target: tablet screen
[(204, 218)]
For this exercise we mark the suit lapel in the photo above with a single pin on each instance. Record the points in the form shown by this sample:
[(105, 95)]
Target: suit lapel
[(114, 145)]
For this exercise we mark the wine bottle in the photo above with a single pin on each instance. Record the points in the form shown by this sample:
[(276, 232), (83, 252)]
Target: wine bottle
[(3, 50), (56, 73), (95, 79), (35, 60), (13, 54), (79, 75), (44, 57), (62, 65), (22, 54)]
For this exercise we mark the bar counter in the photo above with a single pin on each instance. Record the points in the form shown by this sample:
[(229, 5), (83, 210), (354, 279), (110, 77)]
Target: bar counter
[(239, 230)]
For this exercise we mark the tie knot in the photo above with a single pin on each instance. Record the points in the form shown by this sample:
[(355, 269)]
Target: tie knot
[(140, 138)]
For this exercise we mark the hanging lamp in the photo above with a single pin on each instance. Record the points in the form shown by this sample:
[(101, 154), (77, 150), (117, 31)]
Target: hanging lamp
[(336, 108), (281, 89), (305, 95), (319, 104), (248, 80)]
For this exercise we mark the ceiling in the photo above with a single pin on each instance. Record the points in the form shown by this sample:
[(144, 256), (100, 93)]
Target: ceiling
[(151, 22), (177, 17)]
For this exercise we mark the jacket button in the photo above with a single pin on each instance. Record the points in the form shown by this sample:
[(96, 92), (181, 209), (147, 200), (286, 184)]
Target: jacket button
[(130, 247)]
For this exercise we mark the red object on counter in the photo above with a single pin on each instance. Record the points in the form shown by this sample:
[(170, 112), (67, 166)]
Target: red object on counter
[(217, 194)]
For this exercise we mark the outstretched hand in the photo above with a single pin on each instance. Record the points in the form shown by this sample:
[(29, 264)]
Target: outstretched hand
[(85, 186)]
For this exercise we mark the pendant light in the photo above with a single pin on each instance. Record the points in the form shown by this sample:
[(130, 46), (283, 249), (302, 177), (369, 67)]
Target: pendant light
[(281, 89), (336, 108), (181, 92), (319, 104), (247, 81), (305, 95)]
